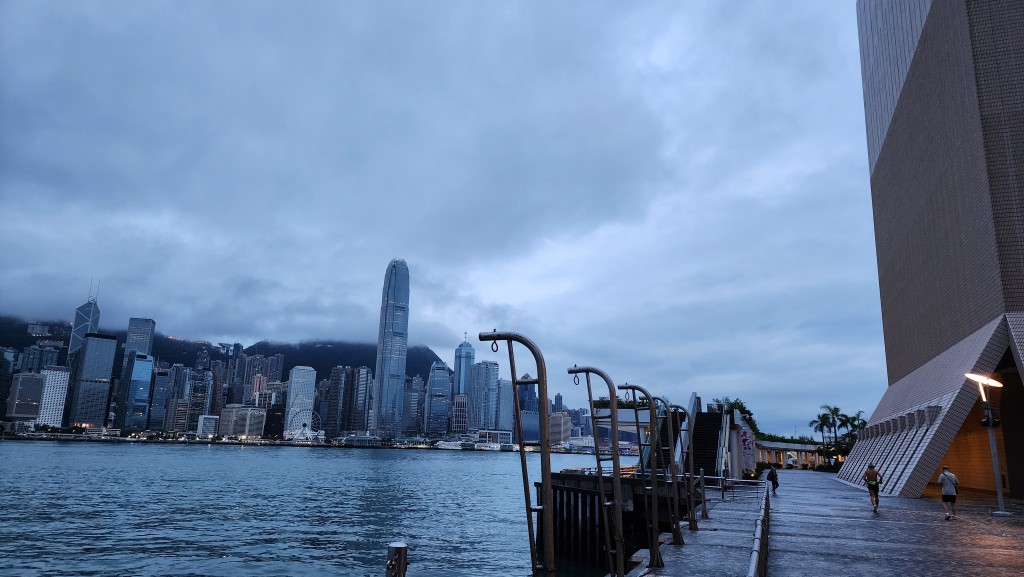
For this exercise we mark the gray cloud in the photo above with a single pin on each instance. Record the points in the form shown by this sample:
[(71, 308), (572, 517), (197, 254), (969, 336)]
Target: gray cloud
[(675, 193)]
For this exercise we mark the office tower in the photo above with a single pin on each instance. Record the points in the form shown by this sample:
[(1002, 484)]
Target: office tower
[(560, 427), (415, 389), (35, 358), (140, 335), (358, 383), (386, 416), (483, 396), (436, 401), (558, 406), (203, 359), (200, 390), (275, 367), (335, 400), (162, 388), (91, 380), (943, 85), (87, 320), (506, 406), (55, 395), (135, 387), (464, 360), (25, 397), (459, 423), (299, 407), (528, 400)]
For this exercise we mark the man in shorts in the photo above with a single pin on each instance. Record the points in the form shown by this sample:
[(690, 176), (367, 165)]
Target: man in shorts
[(874, 479), (949, 484)]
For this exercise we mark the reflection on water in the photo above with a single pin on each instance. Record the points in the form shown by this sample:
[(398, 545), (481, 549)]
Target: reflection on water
[(171, 510)]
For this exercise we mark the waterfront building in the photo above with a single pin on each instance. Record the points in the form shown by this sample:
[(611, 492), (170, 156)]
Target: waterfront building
[(55, 395), (208, 426), (558, 407), (436, 401), (528, 400), (25, 397), (386, 417), (943, 81), (136, 387), (240, 421), (560, 427), (460, 415), (299, 406), (91, 380), (332, 416), (464, 360)]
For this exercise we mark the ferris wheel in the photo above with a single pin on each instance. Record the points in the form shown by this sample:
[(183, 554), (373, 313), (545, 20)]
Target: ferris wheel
[(303, 425)]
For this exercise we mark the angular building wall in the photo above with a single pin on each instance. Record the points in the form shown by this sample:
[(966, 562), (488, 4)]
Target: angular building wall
[(944, 109)]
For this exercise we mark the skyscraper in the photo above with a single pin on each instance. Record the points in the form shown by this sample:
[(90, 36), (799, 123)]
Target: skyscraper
[(299, 407), (437, 401), (943, 86), (483, 395), (136, 387), (93, 373), (465, 357), (87, 320), (386, 417), (140, 335), (55, 395)]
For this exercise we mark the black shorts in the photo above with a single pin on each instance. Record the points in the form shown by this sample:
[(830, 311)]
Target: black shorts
[(872, 488), (949, 498)]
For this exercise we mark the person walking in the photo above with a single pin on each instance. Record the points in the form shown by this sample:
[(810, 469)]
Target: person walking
[(773, 476), (949, 484), (874, 480)]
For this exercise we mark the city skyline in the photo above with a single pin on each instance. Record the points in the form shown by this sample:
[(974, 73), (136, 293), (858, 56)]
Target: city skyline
[(676, 194)]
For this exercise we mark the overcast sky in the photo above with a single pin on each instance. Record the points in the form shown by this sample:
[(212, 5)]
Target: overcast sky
[(674, 192)]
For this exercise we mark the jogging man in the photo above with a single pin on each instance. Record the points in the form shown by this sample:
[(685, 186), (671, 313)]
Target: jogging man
[(873, 478)]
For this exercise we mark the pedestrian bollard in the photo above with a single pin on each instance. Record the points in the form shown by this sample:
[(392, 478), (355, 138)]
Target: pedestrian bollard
[(398, 559)]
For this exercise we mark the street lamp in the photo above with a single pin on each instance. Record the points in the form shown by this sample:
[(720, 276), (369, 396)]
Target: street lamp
[(990, 423)]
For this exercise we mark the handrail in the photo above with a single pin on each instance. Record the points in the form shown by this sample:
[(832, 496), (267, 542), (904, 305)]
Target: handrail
[(759, 552), (673, 495), (723, 442)]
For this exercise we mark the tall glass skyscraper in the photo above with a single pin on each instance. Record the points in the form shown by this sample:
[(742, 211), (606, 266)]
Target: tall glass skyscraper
[(87, 320), (137, 386), (438, 402), (93, 373), (386, 417), (299, 407), (465, 357), (944, 109), (140, 336)]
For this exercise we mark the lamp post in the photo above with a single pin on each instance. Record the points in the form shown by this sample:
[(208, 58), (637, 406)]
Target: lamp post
[(990, 424)]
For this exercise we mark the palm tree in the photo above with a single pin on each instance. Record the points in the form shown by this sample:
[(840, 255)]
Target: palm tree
[(834, 414), (821, 424)]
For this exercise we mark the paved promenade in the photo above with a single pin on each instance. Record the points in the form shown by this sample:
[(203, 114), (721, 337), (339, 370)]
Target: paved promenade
[(823, 527)]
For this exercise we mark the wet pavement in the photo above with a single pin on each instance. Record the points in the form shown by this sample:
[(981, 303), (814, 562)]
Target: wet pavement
[(822, 526)]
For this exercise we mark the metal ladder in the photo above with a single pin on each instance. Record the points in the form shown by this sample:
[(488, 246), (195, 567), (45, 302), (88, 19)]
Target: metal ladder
[(611, 509), (542, 539), (654, 542)]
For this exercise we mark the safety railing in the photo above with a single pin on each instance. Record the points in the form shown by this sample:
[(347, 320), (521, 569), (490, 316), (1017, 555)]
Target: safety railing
[(759, 552)]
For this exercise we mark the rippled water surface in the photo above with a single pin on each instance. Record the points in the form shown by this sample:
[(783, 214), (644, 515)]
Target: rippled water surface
[(176, 510)]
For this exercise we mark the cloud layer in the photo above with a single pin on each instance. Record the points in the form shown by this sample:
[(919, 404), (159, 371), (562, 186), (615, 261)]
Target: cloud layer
[(677, 194)]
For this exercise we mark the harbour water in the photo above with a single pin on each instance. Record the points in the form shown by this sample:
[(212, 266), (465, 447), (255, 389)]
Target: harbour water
[(96, 509)]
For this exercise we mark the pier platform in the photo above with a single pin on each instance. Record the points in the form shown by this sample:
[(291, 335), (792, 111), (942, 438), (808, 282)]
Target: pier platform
[(822, 526)]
